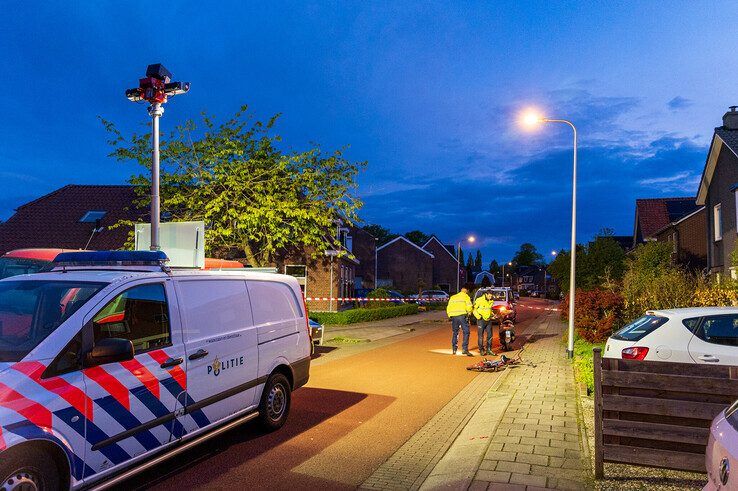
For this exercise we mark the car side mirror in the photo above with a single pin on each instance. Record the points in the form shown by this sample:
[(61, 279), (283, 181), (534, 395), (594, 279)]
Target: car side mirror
[(109, 350)]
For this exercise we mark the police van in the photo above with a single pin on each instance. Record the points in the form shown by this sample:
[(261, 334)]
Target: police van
[(112, 362)]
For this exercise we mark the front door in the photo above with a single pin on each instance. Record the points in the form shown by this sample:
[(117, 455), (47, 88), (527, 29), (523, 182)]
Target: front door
[(135, 400), (222, 350), (715, 340)]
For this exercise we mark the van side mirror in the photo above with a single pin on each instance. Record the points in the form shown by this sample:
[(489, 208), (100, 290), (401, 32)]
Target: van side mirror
[(109, 350)]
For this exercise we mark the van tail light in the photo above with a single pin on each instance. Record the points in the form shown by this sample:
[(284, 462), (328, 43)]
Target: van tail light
[(635, 353), (307, 319)]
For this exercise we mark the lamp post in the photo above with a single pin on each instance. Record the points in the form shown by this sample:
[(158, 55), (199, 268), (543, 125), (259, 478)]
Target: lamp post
[(155, 88), (532, 119), (470, 240), (503, 273)]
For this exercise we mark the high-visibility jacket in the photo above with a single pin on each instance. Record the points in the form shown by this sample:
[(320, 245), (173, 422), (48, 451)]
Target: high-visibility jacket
[(459, 304), (483, 308)]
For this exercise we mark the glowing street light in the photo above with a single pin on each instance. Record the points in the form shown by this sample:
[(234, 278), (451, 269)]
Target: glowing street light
[(531, 119), (503, 273), (470, 240)]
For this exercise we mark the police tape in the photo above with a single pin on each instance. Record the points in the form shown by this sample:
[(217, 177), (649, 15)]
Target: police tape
[(373, 299), (406, 299)]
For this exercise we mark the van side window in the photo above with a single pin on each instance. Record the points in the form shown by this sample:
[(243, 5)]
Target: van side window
[(272, 301), (140, 315), (719, 329)]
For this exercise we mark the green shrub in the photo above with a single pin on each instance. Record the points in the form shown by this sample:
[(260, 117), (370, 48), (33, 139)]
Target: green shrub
[(378, 293), (584, 362), (653, 282), (363, 314)]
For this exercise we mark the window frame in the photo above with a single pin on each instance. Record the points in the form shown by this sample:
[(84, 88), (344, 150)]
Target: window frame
[(699, 331), (717, 222), (90, 324)]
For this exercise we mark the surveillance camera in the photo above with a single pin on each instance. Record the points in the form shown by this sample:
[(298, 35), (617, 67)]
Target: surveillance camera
[(134, 95), (174, 88)]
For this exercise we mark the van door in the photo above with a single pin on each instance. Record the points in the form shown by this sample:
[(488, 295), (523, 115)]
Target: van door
[(135, 400), (222, 359)]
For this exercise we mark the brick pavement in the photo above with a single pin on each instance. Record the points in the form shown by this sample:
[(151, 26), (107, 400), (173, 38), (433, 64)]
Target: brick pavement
[(537, 443), (535, 437)]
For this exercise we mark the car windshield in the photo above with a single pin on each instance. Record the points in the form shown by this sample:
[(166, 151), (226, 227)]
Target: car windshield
[(499, 295), (31, 310), (639, 328), (14, 266)]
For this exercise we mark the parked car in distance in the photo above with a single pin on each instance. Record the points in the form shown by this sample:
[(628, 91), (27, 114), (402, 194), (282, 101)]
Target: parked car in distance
[(435, 297), (166, 358), (721, 455), (705, 335)]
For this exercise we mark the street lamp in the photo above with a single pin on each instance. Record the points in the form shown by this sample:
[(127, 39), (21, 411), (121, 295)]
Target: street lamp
[(503, 273), (470, 240), (155, 88), (545, 276), (532, 119)]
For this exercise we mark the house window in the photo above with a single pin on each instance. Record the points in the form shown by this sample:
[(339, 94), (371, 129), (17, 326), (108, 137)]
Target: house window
[(717, 217)]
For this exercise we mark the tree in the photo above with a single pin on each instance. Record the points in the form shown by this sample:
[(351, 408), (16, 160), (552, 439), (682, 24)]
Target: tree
[(494, 267), (380, 233), (527, 255), (461, 256), (469, 268), (417, 237), (601, 263), (478, 261), (252, 195)]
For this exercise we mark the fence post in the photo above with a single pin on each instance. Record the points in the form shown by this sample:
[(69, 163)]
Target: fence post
[(599, 470)]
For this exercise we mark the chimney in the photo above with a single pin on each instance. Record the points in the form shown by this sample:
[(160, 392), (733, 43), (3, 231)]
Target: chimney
[(730, 119)]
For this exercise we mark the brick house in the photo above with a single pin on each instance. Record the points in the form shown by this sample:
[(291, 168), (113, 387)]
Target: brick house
[(653, 214), (718, 192), (339, 272), (404, 266), (688, 237), (446, 274), (73, 217)]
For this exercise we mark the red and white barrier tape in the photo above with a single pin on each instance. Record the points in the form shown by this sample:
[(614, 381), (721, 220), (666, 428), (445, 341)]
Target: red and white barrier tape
[(367, 299)]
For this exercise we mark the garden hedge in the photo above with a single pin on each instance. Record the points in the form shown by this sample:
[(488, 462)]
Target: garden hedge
[(362, 314)]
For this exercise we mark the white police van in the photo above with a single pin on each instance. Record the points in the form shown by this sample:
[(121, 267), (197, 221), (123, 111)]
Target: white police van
[(112, 363)]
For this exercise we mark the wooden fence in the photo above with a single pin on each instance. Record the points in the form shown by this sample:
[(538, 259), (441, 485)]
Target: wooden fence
[(657, 414)]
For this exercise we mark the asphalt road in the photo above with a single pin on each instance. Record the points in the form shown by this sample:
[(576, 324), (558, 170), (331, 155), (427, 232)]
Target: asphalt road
[(354, 413)]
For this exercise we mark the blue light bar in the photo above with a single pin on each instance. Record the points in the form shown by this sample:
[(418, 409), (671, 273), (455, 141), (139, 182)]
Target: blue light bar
[(112, 258)]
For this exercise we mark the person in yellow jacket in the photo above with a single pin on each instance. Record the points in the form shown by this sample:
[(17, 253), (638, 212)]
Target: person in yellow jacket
[(458, 308), (483, 313)]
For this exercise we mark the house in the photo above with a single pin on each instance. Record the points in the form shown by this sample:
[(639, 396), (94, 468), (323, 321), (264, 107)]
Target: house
[(405, 266), (446, 271), (73, 217), (717, 193), (688, 237), (653, 214)]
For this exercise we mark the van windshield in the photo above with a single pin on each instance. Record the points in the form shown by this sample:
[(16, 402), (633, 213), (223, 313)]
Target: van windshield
[(639, 328), (31, 310)]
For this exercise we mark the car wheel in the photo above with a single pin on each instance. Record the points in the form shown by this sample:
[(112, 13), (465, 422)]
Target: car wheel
[(275, 402), (28, 468)]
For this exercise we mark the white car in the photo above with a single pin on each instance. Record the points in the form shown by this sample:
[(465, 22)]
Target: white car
[(112, 361), (707, 335)]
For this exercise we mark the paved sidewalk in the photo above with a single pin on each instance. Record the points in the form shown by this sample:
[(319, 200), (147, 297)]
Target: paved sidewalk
[(526, 434)]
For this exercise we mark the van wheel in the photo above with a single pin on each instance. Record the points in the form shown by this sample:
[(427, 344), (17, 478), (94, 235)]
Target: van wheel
[(28, 468), (275, 402)]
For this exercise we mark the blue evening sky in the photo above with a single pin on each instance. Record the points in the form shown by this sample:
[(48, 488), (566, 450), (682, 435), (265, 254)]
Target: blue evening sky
[(427, 92)]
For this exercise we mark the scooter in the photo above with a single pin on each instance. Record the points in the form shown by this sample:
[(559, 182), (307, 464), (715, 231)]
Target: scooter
[(507, 334)]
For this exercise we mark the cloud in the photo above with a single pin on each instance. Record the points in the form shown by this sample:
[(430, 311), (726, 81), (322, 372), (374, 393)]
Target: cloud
[(679, 102)]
